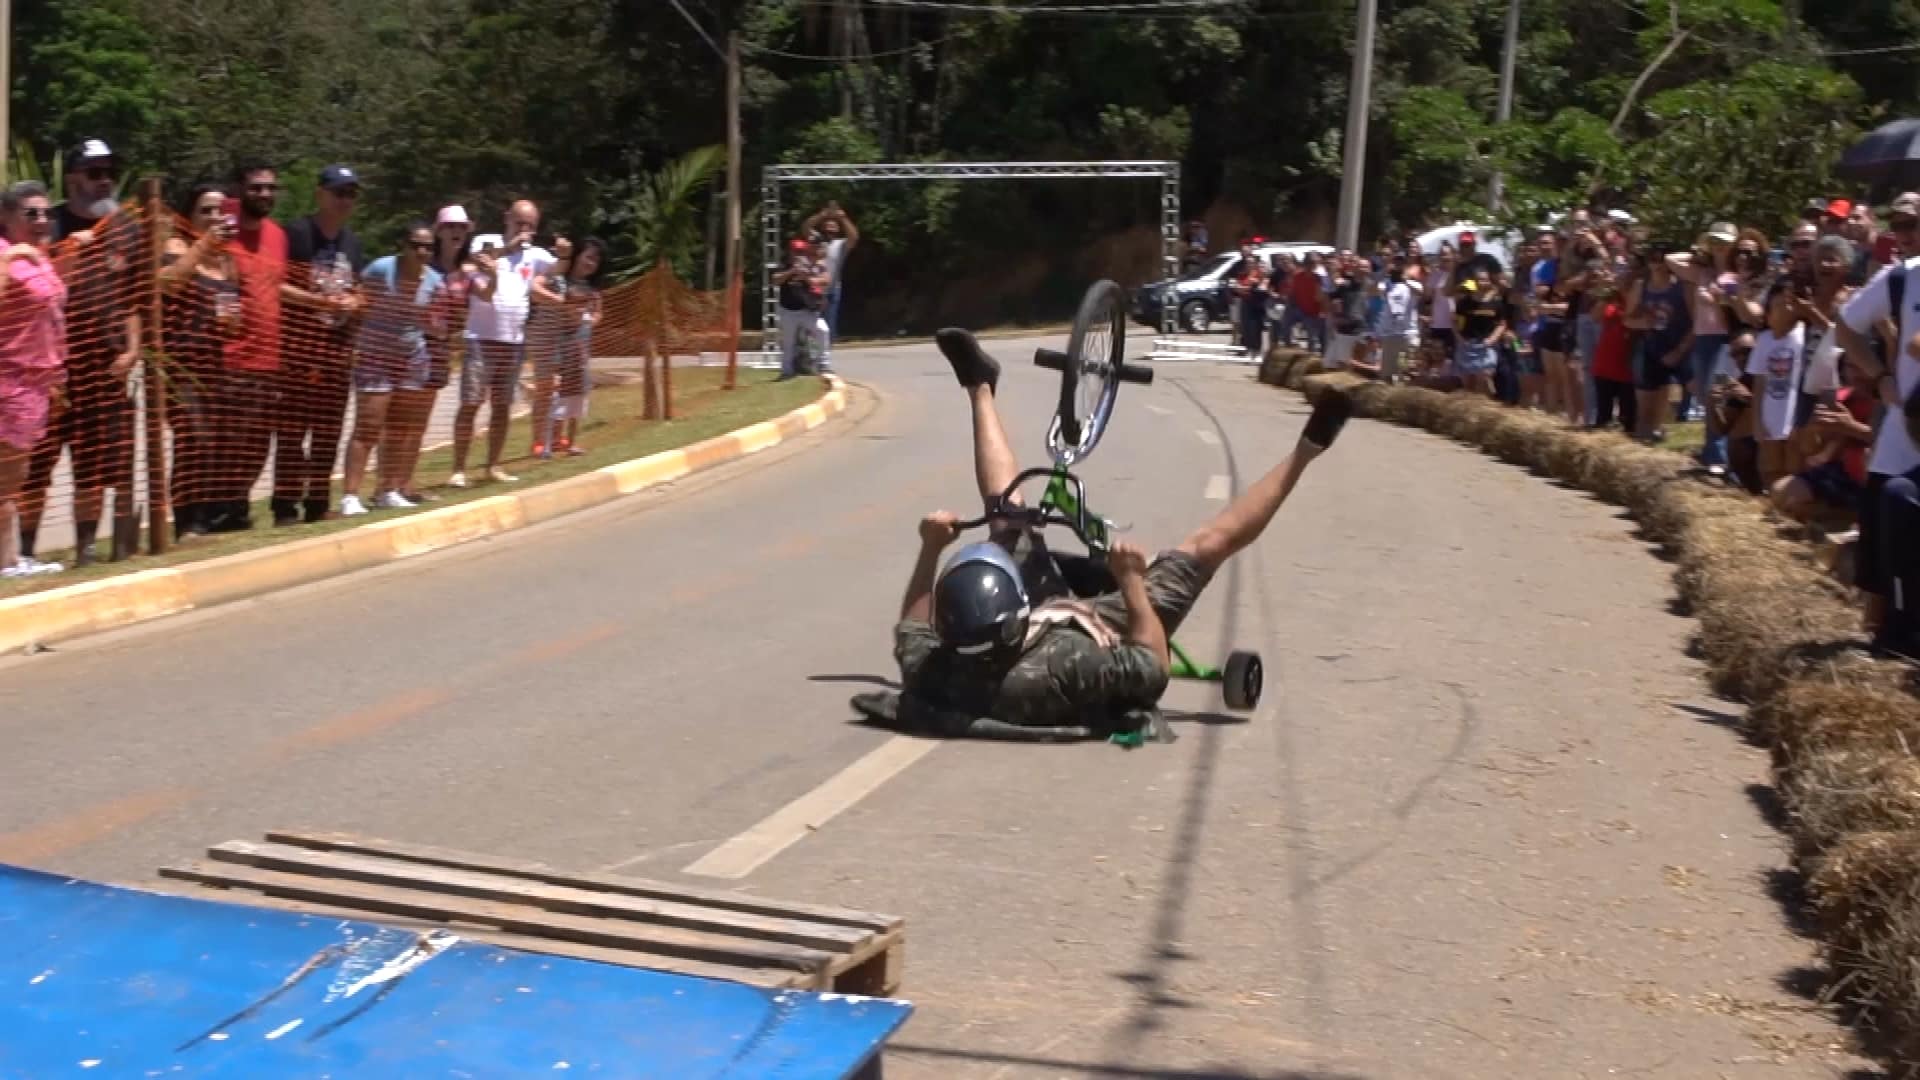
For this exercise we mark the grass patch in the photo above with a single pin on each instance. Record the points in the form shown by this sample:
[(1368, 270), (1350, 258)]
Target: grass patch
[(612, 433), (1685, 437)]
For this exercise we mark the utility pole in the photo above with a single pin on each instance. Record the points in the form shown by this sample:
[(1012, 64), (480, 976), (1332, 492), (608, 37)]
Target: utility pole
[(1497, 197), (1359, 101), (733, 206)]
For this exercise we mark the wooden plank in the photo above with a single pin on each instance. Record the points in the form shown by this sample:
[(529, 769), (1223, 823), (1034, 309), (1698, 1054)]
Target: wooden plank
[(767, 978), (631, 886), (660, 940), (483, 886)]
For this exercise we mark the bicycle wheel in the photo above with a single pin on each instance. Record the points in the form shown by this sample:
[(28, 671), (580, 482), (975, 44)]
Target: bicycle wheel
[(1090, 378)]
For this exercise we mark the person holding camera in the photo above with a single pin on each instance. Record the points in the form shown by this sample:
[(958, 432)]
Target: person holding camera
[(500, 298)]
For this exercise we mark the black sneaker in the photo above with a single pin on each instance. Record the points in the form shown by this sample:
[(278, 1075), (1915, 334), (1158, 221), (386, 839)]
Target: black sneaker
[(971, 365), (1330, 414)]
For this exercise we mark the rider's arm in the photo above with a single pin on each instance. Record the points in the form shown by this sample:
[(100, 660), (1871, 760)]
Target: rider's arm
[(1129, 566), (918, 605), (1143, 623), (937, 530)]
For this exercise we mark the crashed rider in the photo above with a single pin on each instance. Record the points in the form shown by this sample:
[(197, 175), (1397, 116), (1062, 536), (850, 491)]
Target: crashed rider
[(994, 644)]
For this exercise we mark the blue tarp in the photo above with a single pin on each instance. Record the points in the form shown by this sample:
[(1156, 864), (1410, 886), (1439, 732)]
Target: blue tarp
[(100, 981)]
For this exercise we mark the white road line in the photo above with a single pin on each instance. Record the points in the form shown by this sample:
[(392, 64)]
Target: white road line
[(1159, 409), (1218, 486), (780, 830), (1207, 436)]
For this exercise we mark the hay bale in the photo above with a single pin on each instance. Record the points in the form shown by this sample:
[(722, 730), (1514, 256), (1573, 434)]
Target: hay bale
[(1867, 889), (1866, 902), (1838, 793), (1520, 438), (1864, 708), (1624, 472)]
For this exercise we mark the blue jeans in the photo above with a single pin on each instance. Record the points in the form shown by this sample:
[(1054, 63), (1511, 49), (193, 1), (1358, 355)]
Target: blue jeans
[(1586, 339), (1706, 359), (833, 311), (1316, 328)]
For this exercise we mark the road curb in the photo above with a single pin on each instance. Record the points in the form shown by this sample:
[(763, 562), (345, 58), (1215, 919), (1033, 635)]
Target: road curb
[(92, 607)]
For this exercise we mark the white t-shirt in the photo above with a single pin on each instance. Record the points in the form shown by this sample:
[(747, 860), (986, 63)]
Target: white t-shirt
[(1776, 363), (1403, 312), (836, 258), (504, 319), (1894, 453)]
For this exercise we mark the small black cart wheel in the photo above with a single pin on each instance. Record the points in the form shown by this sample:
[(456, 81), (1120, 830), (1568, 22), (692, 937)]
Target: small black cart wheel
[(1241, 680)]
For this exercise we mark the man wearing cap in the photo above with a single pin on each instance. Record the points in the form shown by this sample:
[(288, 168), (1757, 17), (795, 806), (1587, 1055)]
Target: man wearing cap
[(324, 260), (100, 256), (1833, 222)]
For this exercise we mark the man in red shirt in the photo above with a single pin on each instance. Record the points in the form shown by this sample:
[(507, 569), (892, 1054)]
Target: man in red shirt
[(1306, 305), (244, 403)]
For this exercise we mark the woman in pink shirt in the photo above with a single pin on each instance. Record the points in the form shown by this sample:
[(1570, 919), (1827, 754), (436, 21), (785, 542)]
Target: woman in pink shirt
[(33, 354)]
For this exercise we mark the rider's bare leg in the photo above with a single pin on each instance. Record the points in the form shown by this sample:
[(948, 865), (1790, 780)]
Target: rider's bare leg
[(1248, 515), (994, 466)]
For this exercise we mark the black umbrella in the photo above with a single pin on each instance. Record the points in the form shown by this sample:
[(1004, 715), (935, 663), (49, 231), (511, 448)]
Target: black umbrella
[(1888, 158)]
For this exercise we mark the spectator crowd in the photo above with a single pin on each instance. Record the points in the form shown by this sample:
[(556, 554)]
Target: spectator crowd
[(1801, 361), (271, 337)]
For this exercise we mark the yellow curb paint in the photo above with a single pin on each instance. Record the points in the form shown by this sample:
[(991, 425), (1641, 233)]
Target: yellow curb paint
[(631, 476), (436, 529), (562, 497), (91, 606), (96, 606), (752, 440)]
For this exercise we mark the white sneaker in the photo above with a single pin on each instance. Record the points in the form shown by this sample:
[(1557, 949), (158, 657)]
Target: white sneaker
[(457, 480), (35, 566), (501, 476), (351, 506), (393, 500)]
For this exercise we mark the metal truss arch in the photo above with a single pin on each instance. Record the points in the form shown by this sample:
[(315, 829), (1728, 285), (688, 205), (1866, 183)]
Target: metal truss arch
[(774, 178)]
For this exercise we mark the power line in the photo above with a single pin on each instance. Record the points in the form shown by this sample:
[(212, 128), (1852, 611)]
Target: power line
[(701, 30)]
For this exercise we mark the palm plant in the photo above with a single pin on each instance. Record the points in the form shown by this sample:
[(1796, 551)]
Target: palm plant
[(664, 216)]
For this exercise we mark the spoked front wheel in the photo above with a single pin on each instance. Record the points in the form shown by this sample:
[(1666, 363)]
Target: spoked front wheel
[(1091, 371)]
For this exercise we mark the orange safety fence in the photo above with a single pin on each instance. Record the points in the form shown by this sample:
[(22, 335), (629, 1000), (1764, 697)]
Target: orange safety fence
[(150, 357)]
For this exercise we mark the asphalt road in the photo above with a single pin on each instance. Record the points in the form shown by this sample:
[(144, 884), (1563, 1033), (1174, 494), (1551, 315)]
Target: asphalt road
[(1486, 823)]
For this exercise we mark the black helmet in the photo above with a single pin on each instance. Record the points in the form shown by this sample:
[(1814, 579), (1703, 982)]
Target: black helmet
[(979, 603)]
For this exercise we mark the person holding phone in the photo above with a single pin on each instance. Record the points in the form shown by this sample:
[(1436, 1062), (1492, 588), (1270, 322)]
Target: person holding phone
[(501, 294), (200, 292)]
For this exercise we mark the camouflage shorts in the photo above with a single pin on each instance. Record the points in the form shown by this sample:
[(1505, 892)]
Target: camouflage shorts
[(1175, 580)]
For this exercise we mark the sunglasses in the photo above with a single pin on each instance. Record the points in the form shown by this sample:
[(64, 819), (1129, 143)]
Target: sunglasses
[(422, 245), (262, 189), (36, 213), (344, 193), (98, 173), (1905, 224)]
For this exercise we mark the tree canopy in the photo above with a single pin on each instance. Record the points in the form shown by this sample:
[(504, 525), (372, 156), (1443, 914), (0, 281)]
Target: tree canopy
[(1687, 110)]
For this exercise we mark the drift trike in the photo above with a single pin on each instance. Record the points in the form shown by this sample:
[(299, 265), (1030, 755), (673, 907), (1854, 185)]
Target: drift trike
[(1091, 371)]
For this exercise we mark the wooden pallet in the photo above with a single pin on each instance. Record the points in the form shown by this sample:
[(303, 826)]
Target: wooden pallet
[(533, 907)]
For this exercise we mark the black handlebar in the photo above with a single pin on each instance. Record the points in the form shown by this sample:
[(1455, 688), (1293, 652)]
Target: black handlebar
[(1004, 508), (1055, 360)]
